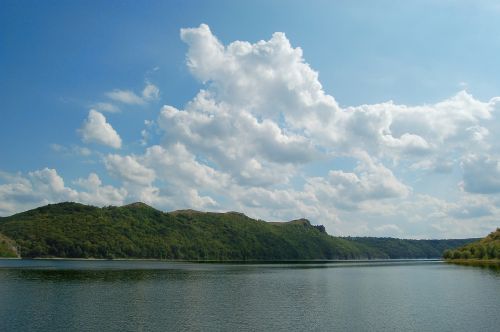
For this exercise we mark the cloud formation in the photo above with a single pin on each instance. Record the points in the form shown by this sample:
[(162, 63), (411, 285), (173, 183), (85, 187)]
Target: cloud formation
[(263, 137), (95, 129), (149, 93), (21, 192), (125, 96), (270, 79), (368, 181), (481, 174), (263, 117), (128, 169), (106, 107)]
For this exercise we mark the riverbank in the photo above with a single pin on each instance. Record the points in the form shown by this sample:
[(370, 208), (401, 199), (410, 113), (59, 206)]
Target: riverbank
[(475, 262), (291, 261)]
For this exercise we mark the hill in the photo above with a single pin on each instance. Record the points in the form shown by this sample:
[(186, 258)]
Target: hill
[(487, 248), (137, 230)]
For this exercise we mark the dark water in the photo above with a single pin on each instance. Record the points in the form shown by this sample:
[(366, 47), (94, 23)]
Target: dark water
[(46, 295)]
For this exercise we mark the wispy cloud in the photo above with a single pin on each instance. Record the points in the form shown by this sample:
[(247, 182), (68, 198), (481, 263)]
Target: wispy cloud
[(150, 93), (106, 107), (71, 150), (125, 97)]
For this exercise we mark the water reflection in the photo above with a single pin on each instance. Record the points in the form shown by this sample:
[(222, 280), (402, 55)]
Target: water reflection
[(133, 271), (486, 265), (99, 275)]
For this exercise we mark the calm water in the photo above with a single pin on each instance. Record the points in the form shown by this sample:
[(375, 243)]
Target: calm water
[(68, 295)]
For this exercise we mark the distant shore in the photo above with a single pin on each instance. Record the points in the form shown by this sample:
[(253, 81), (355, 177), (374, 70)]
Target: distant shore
[(312, 261), (475, 262)]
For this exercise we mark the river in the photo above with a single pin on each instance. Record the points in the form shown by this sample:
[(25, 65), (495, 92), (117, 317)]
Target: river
[(73, 295)]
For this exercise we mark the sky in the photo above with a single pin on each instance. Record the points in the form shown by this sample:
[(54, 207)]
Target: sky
[(371, 118)]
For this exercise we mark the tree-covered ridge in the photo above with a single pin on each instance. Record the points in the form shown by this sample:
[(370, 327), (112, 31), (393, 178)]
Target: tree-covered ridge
[(139, 231), (404, 248), (487, 248)]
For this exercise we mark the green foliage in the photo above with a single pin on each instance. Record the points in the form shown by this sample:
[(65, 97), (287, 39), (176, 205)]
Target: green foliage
[(7, 247), (138, 231), (487, 248)]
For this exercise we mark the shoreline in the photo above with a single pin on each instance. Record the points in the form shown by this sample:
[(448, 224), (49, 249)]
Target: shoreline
[(281, 261), (474, 262)]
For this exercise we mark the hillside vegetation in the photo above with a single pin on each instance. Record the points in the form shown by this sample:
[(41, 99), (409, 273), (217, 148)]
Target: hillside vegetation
[(137, 230), (7, 247), (487, 248)]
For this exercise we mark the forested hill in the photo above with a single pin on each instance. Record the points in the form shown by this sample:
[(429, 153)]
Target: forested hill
[(139, 231), (487, 248), (403, 248)]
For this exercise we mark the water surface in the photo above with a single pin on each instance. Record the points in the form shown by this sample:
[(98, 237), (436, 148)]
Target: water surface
[(66, 295)]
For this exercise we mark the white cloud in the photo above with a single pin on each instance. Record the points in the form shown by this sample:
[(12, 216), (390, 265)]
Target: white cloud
[(270, 81), (465, 216), (48, 181), (180, 178), (106, 107), (263, 117), (22, 192), (435, 164), (369, 181), (147, 132), (125, 96), (235, 122), (97, 194), (150, 93), (481, 174), (95, 129), (129, 169), (283, 204), (71, 150), (388, 229), (177, 164), (253, 151), (268, 77), (91, 182)]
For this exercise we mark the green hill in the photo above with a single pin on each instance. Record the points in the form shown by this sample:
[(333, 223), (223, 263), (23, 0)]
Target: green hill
[(137, 230), (484, 249)]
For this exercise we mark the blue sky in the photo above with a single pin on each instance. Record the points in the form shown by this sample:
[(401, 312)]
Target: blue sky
[(373, 118)]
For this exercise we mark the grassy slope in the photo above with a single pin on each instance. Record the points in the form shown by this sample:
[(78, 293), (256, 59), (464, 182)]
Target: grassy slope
[(485, 249), (139, 231)]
